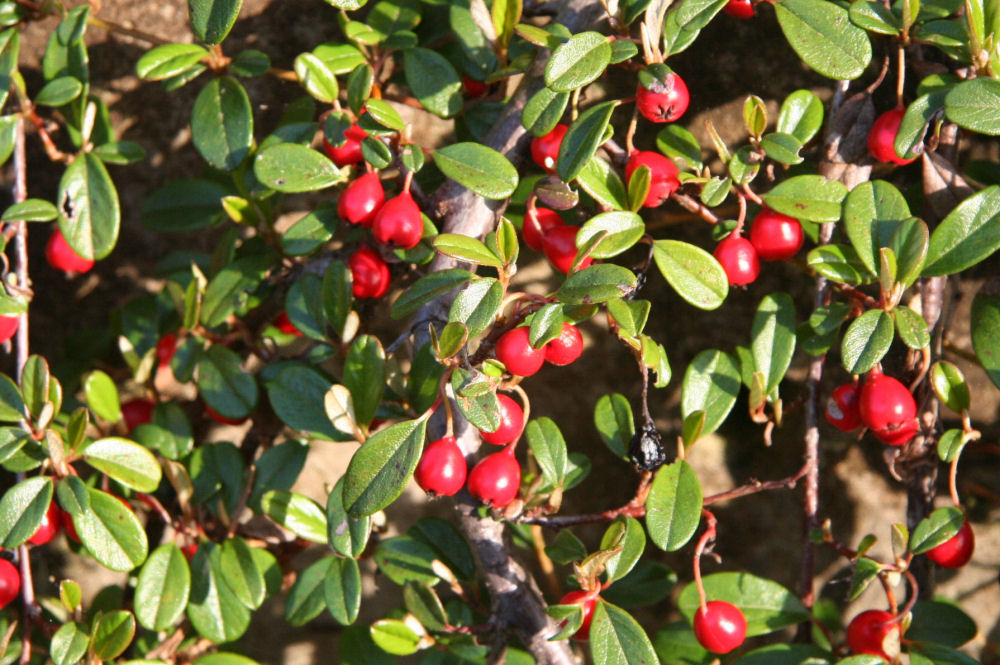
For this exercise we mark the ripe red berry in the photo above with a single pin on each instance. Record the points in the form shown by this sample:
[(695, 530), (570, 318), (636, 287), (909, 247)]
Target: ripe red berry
[(738, 258), (882, 138), (516, 353), (67, 524), (874, 632), (739, 8), (537, 224), (473, 88), (219, 418), (775, 236), (285, 325), (138, 411), (166, 347), (442, 469), (888, 409), (349, 152), (369, 272), (8, 326), (560, 248), (10, 583), (49, 527), (665, 100), (545, 149), (398, 222), (189, 551), (662, 175), (565, 348), (842, 408), (957, 550), (587, 601), (511, 423), (62, 257), (496, 479), (361, 199), (720, 626)]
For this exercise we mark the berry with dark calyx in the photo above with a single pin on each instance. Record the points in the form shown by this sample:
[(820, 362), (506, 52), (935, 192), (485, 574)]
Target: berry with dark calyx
[(662, 95), (166, 347), (738, 258), (349, 152), (720, 626), (8, 326), (49, 527), (587, 601), (361, 199), (874, 632), (219, 418), (565, 348), (739, 8), (398, 223), (10, 583), (285, 325), (473, 88), (442, 469), (545, 149), (514, 350), (62, 257), (882, 138), (646, 451), (957, 550), (496, 479), (138, 411), (538, 222), (842, 408), (560, 248), (775, 236), (888, 409), (511, 423), (369, 273), (662, 175)]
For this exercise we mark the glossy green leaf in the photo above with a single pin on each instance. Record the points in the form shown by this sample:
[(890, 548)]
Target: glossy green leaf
[(986, 333), (596, 284), (623, 229), (809, 197), (910, 243), (911, 327), (242, 572), (866, 341), (102, 396), (217, 658), (347, 535), (481, 169), (183, 205), (603, 183), (215, 612), (692, 272), (295, 512), (801, 115), (162, 62), (222, 123), (59, 91), (744, 166), (316, 77), (875, 17), (614, 422), (627, 533), (22, 509), (928, 653), (941, 623), (464, 248), (783, 148), (675, 141), (872, 211), (211, 20), (12, 407), (676, 644), (89, 212), (549, 449), (616, 638), (839, 263), (773, 338), (342, 590), (582, 140), (405, 559), (31, 210), (917, 117), (974, 104), (767, 605), (69, 644), (477, 402), (364, 376), (111, 532), (578, 62), (384, 114), (379, 470), (125, 461), (543, 111), (306, 598), (968, 235), (164, 585), (112, 634), (673, 509), (395, 637), (824, 38), (711, 384), (290, 167), (940, 526), (224, 385), (950, 386), (427, 288), (787, 654), (433, 80), (477, 305)]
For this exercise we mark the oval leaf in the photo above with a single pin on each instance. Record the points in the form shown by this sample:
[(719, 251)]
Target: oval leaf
[(692, 272), (163, 588), (823, 36), (222, 123), (290, 167), (89, 213), (479, 168), (866, 341), (673, 509), (381, 467), (125, 461)]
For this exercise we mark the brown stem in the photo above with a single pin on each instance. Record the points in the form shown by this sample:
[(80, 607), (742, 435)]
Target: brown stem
[(697, 207)]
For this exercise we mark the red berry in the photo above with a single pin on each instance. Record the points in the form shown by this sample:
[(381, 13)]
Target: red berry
[(62, 257), (775, 236), (882, 138), (664, 101), (842, 408), (537, 224), (219, 418), (67, 524), (10, 583), (285, 325), (442, 469), (720, 626), (189, 551), (545, 149), (137, 412), (49, 527), (360, 201), (496, 479), (957, 550), (560, 248), (888, 409), (738, 258), (739, 8), (369, 272), (511, 423), (473, 88), (166, 347), (586, 601), (398, 222), (8, 326), (516, 353), (349, 152), (662, 175), (565, 348), (874, 632)]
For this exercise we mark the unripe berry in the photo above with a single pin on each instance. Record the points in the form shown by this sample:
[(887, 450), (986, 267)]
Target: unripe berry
[(776, 236), (842, 408), (545, 149), (739, 8), (10, 583), (888, 409), (565, 348), (361, 199), (369, 273), (738, 258), (349, 152), (560, 248), (957, 550), (514, 350), (166, 347), (496, 479), (537, 224), (587, 601), (874, 632), (398, 223), (8, 326), (62, 257), (138, 411), (664, 101), (511, 423), (49, 527), (442, 469), (720, 626), (285, 325), (882, 138), (662, 175)]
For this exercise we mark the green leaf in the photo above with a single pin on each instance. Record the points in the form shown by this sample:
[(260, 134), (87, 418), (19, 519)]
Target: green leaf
[(481, 169), (783, 148), (69, 644), (926, 653), (59, 92), (617, 639), (627, 533), (348, 536), (89, 213), (405, 559), (242, 573), (112, 634), (183, 205), (297, 395), (839, 263), (577, 62), (809, 197), (950, 445), (824, 38), (941, 623), (223, 383), (364, 376), (875, 17), (940, 526), (974, 104), (673, 509), (614, 422), (342, 590), (380, 468), (582, 140), (125, 461), (111, 532), (297, 513), (215, 612), (222, 123), (603, 183), (787, 654), (384, 114), (162, 62), (866, 341), (950, 386), (102, 396), (801, 115), (217, 658), (434, 81), (306, 599), (692, 272), (428, 288), (31, 210), (543, 111), (22, 509), (910, 243), (872, 211), (596, 284), (969, 234), (477, 305), (230, 288), (711, 384), (475, 400), (773, 338), (676, 644), (767, 605), (464, 248), (290, 167), (549, 449), (915, 121), (316, 77), (675, 141), (120, 152), (164, 585), (630, 315), (566, 547), (911, 327), (395, 637), (623, 229), (12, 407), (986, 333), (211, 20)]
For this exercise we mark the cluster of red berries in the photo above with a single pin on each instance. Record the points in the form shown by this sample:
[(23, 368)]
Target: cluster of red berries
[(882, 404), (773, 237), (515, 351)]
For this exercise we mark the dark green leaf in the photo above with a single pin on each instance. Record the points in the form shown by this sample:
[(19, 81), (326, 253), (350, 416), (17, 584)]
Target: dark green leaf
[(306, 599), (89, 213), (627, 533), (743, 166), (295, 512), (597, 284), (464, 248), (801, 115), (617, 639), (112, 634), (578, 62), (342, 590), (549, 449), (809, 197), (614, 422), (566, 547), (673, 509), (676, 644), (364, 376), (940, 526), (543, 111), (603, 184), (711, 384), (875, 17), (866, 341), (297, 395), (941, 623), (448, 543), (434, 81), (692, 272), (767, 605), (21, 510), (910, 243), (477, 305), (974, 104), (404, 559), (824, 38), (773, 338), (582, 140), (242, 572), (379, 470), (215, 612), (222, 123), (911, 327), (211, 20), (786, 654), (290, 167), (183, 205), (224, 385), (872, 211), (162, 62), (111, 532), (986, 333), (162, 592), (427, 288), (347, 535), (481, 169), (475, 400), (968, 235), (782, 148)]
